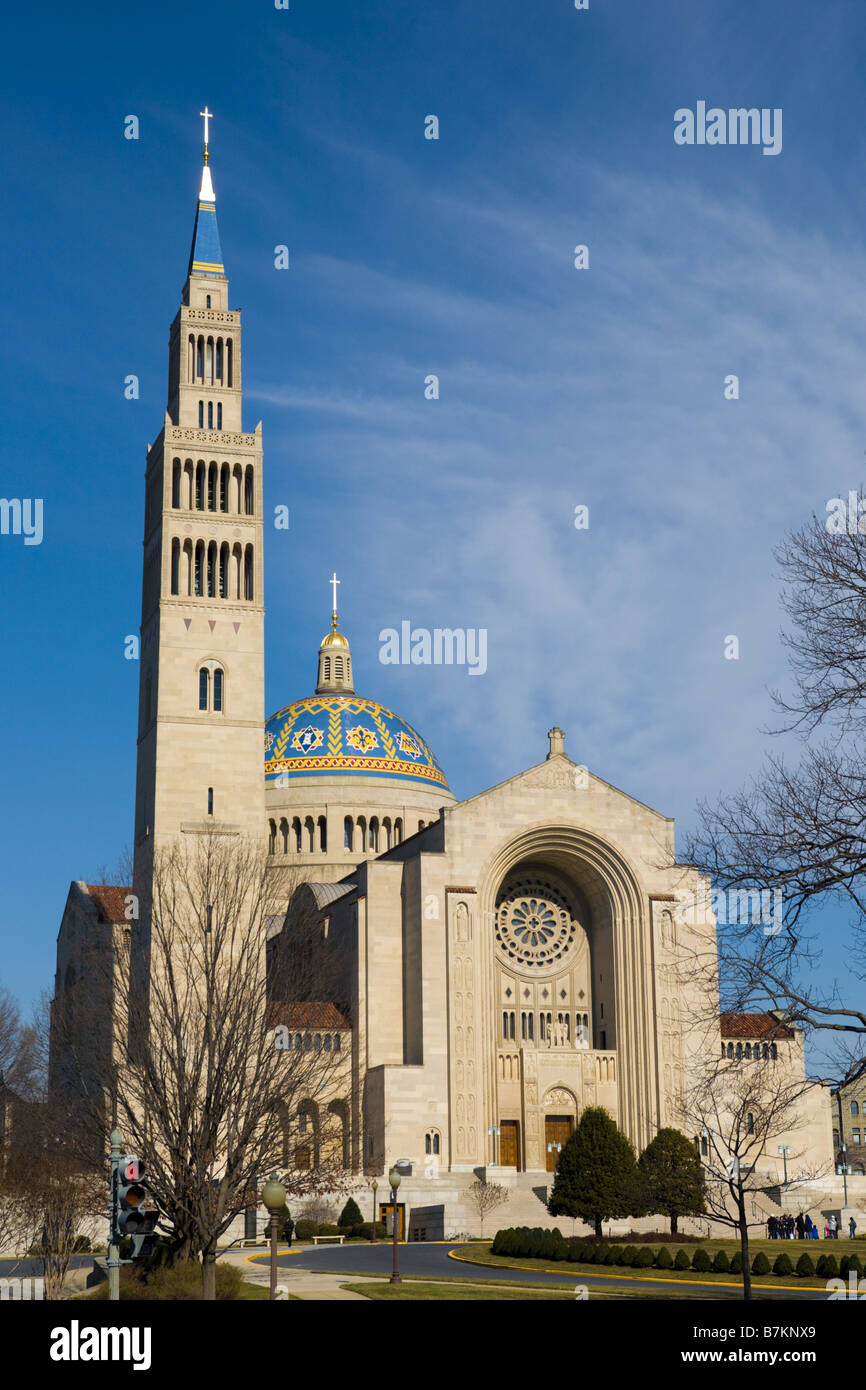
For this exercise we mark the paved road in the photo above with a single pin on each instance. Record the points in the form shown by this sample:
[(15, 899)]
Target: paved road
[(423, 1258), (27, 1268)]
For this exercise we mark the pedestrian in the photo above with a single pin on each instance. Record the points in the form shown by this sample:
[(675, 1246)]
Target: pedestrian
[(852, 1227), (771, 1227), (808, 1226), (801, 1226), (289, 1230), (834, 1233)]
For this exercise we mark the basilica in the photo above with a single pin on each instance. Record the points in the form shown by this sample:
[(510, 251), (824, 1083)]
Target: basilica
[(498, 963)]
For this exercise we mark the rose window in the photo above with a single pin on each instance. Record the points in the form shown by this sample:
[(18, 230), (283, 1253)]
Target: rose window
[(534, 924)]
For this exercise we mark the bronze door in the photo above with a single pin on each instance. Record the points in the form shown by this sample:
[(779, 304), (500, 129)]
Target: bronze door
[(509, 1144), (557, 1130)]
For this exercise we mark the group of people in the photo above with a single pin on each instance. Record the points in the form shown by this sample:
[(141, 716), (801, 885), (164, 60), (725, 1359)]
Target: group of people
[(802, 1227)]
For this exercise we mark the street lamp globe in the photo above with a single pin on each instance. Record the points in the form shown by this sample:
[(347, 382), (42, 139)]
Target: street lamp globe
[(394, 1177), (274, 1194)]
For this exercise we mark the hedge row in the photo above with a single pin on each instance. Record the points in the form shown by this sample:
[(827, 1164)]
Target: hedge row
[(537, 1243), (305, 1230)]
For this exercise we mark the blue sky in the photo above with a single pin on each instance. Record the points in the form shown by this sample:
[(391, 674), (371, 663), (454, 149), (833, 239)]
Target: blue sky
[(408, 257)]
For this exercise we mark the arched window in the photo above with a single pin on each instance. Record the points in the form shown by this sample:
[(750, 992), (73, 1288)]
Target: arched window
[(187, 567), (201, 415), (219, 415), (199, 359), (203, 688), (225, 475), (175, 483), (317, 1045), (212, 488), (386, 826), (238, 476), (175, 566), (774, 1052), (209, 361), (219, 359), (211, 569), (199, 486), (207, 301), (296, 833), (308, 1042), (347, 833), (210, 415), (398, 831), (236, 570), (248, 573), (373, 840), (750, 1123), (748, 1052), (336, 1042), (431, 1142), (739, 1053), (210, 801), (284, 835), (327, 668), (272, 838), (249, 506), (765, 1052), (218, 690), (311, 834), (228, 362), (731, 1050), (224, 570), (327, 1043), (323, 834), (704, 1149), (855, 1108), (190, 359)]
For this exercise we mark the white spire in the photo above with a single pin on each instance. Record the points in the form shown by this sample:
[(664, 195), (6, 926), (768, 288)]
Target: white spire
[(206, 193)]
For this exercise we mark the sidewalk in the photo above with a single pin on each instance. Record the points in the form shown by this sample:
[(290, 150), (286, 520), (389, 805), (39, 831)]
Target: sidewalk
[(300, 1283)]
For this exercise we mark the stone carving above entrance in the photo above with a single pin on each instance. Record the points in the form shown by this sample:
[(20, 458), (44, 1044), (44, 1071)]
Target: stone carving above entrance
[(559, 1096)]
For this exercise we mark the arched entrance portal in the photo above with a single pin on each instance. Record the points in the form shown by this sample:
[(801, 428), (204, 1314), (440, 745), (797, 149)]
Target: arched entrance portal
[(567, 963)]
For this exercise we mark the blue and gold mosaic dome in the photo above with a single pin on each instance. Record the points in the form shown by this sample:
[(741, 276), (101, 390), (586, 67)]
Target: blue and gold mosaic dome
[(344, 735)]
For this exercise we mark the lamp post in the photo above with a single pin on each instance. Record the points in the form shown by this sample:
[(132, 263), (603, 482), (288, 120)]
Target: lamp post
[(557, 1149), (394, 1180), (845, 1169), (274, 1198), (784, 1150), (375, 1209)]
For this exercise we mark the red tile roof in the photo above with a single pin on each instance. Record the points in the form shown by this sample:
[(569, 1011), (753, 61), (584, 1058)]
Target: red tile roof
[(110, 901), (754, 1026), (314, 1014)]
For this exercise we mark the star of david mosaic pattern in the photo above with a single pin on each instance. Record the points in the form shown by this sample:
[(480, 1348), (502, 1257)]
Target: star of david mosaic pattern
[(344, 734)]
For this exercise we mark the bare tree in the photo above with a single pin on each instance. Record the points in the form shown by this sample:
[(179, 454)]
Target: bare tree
[(486, 1197), (210, 1083), (799, 831), (738, 1110)]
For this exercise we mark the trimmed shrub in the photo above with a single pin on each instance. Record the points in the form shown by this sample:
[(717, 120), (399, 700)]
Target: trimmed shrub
[(850, 1264), (664, 1259), (701, 1261), (681, 1260), (721, 1263), (645, 1258), (782, 1264), (827, 1267), (855, 1263), (626, 1255), (328, 1228), (612, 1256), (805, 1267), (365, 1230), (305, 1229), (737, 1262), (760, 1264), (351, 1214)]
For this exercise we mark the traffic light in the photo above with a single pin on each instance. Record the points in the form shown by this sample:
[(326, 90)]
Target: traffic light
[(137, 1212)]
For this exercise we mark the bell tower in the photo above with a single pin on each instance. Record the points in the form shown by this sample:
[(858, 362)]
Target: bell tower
[(201, 694)]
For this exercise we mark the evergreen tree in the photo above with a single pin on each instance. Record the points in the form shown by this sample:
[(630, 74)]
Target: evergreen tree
[(671, 1177), (597, 1177), (351, 1214)]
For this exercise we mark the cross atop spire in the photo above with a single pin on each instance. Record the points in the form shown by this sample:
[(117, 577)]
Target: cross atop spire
[(206, 257), (208, 116), (334, 581)]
